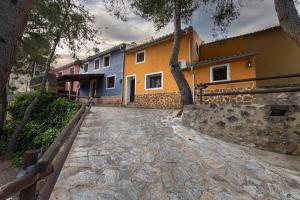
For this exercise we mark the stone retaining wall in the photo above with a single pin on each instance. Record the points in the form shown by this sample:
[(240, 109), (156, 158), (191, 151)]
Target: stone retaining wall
[(288, 98), (245, 99), (161, 100), (114, 100), (272, 128)]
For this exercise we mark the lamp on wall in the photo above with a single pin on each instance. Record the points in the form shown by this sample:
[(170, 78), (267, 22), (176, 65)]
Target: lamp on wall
[(250, 64)]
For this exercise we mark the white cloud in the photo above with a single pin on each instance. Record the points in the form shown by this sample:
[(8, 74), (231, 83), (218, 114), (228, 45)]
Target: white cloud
[(255, 15)]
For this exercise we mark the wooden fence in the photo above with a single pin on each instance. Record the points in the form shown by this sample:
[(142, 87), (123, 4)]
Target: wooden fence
[(203, 86), (48, 166)]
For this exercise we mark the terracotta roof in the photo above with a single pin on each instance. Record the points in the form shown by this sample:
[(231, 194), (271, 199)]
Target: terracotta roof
[(78, 77), (65, 66), (158, 40), (224, 59), (122, 45), (247, 34)]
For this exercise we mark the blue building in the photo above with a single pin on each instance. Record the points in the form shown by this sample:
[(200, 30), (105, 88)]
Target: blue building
[(105, 72)]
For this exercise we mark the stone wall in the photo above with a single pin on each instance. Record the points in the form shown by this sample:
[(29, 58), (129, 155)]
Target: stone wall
[(245, 99), (114, 100), (161, 100), (272, 128), (289, 98)]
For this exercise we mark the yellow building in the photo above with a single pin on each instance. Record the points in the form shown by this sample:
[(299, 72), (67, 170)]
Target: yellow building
[(148, 81)]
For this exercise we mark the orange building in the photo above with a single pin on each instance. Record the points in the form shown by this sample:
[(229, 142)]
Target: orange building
[(148, 81)]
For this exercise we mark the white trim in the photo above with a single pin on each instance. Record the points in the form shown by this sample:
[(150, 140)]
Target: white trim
[(85, 72), (62, 73), (95, 64), (127, 77), (144, 51), (193, 85), (91, 87), (216, 66), (190, 50), (162, 81), (114, 83), (108, 55)]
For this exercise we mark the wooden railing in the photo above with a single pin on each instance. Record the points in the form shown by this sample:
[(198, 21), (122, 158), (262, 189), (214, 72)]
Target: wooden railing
[(48, 166), (203, 86)]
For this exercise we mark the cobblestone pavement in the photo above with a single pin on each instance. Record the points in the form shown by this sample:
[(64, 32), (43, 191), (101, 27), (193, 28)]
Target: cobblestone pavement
[(130, 154)]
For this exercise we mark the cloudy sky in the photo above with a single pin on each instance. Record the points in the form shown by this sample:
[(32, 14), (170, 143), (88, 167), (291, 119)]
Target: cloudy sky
[(255, 15)]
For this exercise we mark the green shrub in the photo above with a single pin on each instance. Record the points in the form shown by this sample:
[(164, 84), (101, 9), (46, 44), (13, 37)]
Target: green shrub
[(48, 119)]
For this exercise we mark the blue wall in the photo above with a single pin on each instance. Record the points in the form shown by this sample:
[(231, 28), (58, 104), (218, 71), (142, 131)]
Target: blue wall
[(115, 68)]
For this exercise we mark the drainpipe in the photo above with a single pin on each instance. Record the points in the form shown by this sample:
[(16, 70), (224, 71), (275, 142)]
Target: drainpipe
[(193, 83), (123, 73)]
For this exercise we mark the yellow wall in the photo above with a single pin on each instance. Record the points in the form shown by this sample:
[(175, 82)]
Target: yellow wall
[(277, 54), (157, 60), (238, 70)]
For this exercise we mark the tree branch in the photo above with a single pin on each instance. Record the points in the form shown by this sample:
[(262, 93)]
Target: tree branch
[(288, 18)]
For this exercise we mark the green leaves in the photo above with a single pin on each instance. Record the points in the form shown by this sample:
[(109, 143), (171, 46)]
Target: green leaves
[(48, 119), (67, 18), (160, 12)]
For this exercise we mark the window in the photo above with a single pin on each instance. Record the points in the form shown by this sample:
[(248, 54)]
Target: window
[(97, 64), (197, 48), (110, 82), (106, 61), (154, 81), (220, 73), (72, 70), (140, 57), (85, 67), (59, 74)]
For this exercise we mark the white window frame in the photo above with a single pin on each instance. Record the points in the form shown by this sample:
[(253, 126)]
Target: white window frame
[(98, 59), (70, 70), (162, 80), (85, 72), (62, 73), (127, 89), (144, 51), (104, 61), (216, 66), (114, 83)]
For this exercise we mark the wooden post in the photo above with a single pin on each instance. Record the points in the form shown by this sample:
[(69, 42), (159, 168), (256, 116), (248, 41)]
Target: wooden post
[(30, 158), (201, 87), (201, 95)]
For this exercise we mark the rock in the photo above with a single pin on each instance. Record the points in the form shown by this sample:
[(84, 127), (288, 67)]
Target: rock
[(232, 119), (148, 157), (110, 176), (85, 178), (221, 124), (128, 190), (213, 106), (207, 196), (245, 113)]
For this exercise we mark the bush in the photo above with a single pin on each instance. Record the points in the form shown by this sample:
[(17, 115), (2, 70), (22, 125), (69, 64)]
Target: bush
[(48, 119)]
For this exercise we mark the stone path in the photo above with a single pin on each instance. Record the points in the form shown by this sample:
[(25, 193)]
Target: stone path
[(131, 154)]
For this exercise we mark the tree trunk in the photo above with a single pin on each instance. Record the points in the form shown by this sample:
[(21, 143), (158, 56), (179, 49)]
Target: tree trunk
[(3, 111), (184, 88), (288, 18), (21, 124), (13, 19)]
